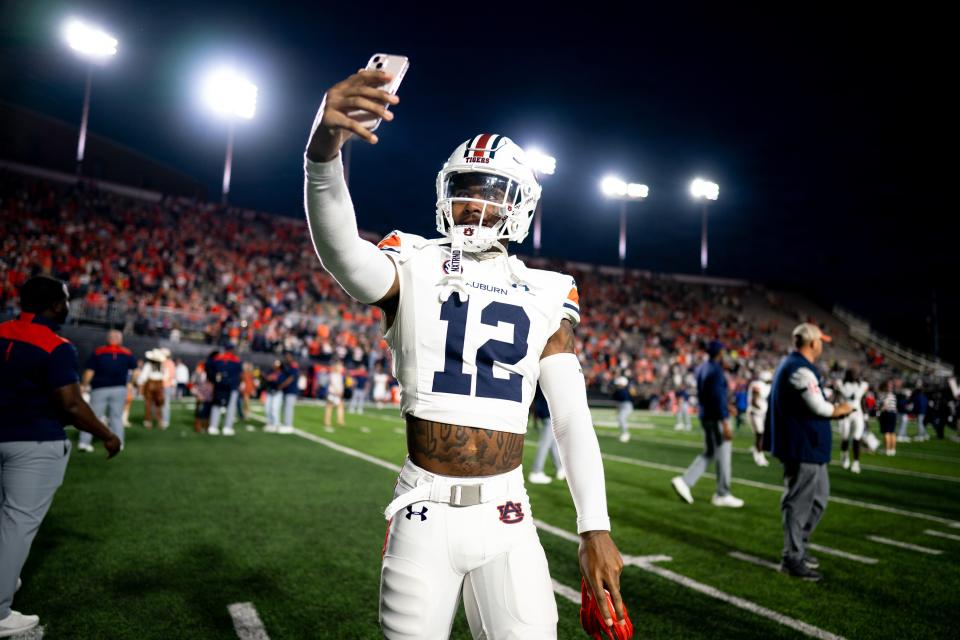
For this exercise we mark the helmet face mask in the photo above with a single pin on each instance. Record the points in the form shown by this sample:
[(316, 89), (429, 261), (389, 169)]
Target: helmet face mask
[(489, 171)]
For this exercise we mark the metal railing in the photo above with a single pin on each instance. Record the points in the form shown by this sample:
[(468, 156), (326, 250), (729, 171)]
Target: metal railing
[(860, 330)]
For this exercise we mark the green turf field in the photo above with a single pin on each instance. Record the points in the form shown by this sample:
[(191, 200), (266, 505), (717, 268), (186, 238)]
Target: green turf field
[(159, 541)]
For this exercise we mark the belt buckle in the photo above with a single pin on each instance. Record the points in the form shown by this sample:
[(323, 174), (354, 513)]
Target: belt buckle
[(465, 495)]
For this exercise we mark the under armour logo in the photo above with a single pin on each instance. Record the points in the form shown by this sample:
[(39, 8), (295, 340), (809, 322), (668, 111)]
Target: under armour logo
[(468, 231), (422, 513), (510, 513)]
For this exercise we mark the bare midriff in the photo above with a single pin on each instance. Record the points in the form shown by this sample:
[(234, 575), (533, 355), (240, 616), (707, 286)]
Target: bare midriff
[(454, 450)]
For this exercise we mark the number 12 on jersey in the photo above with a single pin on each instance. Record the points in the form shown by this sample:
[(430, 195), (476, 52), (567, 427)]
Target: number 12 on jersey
[(453, 380)]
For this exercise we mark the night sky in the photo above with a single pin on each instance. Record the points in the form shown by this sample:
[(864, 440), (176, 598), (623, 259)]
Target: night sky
[(826, 131)]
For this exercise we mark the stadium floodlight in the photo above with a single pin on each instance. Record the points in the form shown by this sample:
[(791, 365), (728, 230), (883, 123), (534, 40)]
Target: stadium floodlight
[(706, 191), (542, 164), (700, 188), (617, 189), (94, 45), (229, 94), (89, 41)]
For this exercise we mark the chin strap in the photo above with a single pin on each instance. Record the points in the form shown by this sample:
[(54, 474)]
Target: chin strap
[(452, 281)]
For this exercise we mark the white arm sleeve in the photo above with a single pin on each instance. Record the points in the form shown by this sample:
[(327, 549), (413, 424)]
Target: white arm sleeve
[(566, 392), (805, 381), (358, 266)]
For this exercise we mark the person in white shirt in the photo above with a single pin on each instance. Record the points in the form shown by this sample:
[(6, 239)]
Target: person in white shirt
[(757, 394), (183, 379), (852, 391)]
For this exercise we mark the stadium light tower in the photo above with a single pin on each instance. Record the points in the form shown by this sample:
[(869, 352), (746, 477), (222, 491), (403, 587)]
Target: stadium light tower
[(616, 189), (706, 191), (542, 164), (229, 95), (95, 46)]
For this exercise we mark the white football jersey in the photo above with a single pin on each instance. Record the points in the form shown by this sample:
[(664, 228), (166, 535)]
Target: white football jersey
[(761, 391), (475, 362), (852, 393)]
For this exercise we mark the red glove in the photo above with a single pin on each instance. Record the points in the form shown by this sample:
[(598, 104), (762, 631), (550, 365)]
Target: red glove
[(592, 621)]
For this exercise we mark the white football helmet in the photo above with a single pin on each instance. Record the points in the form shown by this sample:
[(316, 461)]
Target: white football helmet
[(491, 170)]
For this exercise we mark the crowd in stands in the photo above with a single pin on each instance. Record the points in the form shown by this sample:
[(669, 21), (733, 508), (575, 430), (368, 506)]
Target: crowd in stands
[(186, 270)]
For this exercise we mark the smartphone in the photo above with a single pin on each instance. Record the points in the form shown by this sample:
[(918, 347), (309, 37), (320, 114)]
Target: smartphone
[(397, 67)]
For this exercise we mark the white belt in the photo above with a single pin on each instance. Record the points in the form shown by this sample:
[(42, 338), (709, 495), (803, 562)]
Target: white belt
[(457, 492)]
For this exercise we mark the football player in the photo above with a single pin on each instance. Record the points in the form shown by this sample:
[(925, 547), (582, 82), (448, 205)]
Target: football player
[(472, 331)]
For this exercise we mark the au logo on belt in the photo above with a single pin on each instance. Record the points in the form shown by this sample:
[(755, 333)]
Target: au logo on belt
[(511, 512)]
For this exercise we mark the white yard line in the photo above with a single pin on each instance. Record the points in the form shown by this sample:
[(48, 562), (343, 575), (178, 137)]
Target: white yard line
[(347, 450), (904, 472), (905, 545), (869, 467), (842, 554), (746, 605), (570, 594), (630, 425), (645, 563), (754, 560), (940, 534), (246, 622), (779, 489)]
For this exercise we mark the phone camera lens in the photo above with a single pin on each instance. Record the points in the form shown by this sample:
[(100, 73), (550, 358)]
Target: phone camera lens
[(379, 65), (376, 58)]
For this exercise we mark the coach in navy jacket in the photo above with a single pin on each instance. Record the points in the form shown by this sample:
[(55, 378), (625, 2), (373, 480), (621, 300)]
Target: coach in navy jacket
[(798, 428), (712, 396)]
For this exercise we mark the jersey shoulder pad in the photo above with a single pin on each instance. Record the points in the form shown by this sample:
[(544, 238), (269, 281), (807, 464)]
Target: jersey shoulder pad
[(560, 287), (399, 244)]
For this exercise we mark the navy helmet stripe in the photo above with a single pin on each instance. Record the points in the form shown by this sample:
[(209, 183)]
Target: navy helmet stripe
[(493, 145)]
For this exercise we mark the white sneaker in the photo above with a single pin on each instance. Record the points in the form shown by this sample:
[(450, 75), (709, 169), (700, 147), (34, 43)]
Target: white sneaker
[(682, 489), (539, 477), (270, 428), (903, 438), (760, 459), (229, 432), (855, 467), (561, 475), (285, 429), (679, 427), (16, 623), (83, 446), (214, 431), (726, 501), (625, 437)]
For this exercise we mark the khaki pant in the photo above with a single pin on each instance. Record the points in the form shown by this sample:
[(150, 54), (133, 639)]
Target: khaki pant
[(153, 400)]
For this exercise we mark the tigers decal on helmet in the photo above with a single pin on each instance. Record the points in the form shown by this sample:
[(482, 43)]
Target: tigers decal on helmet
[(490, 170)]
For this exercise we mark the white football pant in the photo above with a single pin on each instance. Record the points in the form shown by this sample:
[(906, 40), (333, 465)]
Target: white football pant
[(272, 407), (756, 420), (489, 550), (851, 425)]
